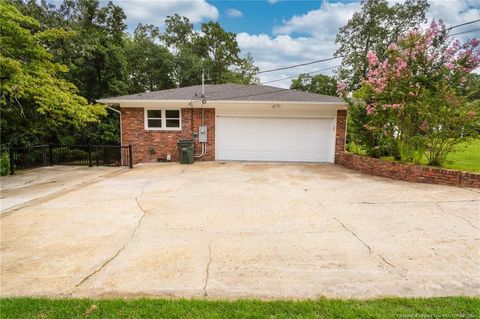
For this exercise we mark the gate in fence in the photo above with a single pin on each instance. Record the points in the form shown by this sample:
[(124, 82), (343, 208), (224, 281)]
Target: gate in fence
[(87, 155)]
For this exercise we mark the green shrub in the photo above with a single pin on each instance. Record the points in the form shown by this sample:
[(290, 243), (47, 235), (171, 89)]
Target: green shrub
[(4, 163)]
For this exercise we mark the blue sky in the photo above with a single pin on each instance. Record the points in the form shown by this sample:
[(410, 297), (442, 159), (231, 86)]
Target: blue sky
[(279, 33)]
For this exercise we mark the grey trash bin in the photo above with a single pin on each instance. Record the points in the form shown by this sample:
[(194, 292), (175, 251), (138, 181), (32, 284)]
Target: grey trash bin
[(185, 149)]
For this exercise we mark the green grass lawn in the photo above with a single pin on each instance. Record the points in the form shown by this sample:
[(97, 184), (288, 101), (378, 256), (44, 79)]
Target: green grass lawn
[(465, 158), (448, 307)]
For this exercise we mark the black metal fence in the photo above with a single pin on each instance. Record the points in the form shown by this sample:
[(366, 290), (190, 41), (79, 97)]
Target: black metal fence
[(86, 155)]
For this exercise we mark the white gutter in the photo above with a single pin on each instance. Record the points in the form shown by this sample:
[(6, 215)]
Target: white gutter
[(114, 101)]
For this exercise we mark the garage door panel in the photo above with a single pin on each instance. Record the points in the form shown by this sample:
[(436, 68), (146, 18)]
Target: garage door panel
[(275, 139)]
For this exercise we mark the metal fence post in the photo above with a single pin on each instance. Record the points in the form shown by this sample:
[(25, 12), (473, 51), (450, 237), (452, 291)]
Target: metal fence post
[(130, 155), (12, 164), (90, 155), (50, 154)]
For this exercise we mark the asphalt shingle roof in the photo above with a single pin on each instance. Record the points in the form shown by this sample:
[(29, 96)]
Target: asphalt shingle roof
[(228, 92)]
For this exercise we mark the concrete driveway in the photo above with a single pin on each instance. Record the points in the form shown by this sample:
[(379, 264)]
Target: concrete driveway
[(231, 230)]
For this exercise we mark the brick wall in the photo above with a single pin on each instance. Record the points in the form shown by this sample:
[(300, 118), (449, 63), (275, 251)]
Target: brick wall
[(149, 146), (341, 128), (408, 172)]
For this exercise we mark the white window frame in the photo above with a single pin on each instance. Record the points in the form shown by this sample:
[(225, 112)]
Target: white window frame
[(164, 119)]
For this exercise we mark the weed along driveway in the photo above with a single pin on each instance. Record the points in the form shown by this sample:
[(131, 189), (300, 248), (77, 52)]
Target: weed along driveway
[(231, 230)]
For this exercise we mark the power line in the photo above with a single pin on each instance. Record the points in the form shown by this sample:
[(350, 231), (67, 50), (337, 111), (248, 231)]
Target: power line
[(333, 58), (461, 25), (297, 65), (468, 31), (291, 77)]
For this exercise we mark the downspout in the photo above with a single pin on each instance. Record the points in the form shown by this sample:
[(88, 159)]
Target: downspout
[(120, 114)]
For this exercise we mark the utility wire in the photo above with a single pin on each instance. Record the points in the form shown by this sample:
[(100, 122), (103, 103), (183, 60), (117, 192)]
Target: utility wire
[(468, 31), (333, 58), (308, 63), (461, 25), (291, 77), (297, 65)]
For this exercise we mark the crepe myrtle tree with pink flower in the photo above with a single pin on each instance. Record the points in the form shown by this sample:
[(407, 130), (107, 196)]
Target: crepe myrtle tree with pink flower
[(412, 104)]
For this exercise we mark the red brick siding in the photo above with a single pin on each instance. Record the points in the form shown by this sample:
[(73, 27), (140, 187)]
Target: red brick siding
[(341, 128), (408, 172), (149, 146)]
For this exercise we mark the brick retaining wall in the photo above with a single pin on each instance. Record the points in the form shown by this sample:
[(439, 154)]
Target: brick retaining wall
[(408, 172)]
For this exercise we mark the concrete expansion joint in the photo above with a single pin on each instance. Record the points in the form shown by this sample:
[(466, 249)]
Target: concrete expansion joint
[(370, 250), (207, 270), (139, 224)]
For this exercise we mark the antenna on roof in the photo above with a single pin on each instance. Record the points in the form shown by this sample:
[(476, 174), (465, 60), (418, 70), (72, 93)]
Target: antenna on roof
[(203, 82)]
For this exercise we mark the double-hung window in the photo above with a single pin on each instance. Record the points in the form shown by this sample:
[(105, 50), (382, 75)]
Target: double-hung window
[(164, 119)]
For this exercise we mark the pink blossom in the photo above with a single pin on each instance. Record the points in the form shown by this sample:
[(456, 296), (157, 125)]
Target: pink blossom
[(412, 93), (372, 58), (449, 65), (341, 86), (456, 44), (474, 42), (370, 108), (472, 113), (392, 47)]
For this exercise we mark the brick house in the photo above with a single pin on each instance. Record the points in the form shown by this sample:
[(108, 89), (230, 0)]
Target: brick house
[(233, 122)]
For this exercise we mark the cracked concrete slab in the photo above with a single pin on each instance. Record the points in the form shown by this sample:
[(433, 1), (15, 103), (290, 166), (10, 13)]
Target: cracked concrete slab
[(236, 230)]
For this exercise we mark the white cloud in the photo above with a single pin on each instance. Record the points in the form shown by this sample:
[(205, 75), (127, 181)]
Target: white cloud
[(454, 12), (323, 22), (283, 50), (155, 12), (318, 29), (272, 1), (234, 13)]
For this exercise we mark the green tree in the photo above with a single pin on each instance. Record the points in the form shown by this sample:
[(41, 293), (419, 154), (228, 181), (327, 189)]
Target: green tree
[(214, 50), (35, 100), (178, 33), (95, 53), (182, 40), (375, 27), (220, 49), (414, 101), (472, 89), (320, 84), (150, 64)]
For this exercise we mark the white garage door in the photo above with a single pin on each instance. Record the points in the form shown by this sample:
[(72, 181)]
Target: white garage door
[(275, 139)]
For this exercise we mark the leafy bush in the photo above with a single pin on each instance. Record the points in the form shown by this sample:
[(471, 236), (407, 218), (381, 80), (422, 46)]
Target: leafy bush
[(412, 104), (4, 162)]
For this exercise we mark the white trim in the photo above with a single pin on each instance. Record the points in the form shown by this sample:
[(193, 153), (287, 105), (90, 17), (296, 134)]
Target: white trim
[(163, 119), (114, 101)]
